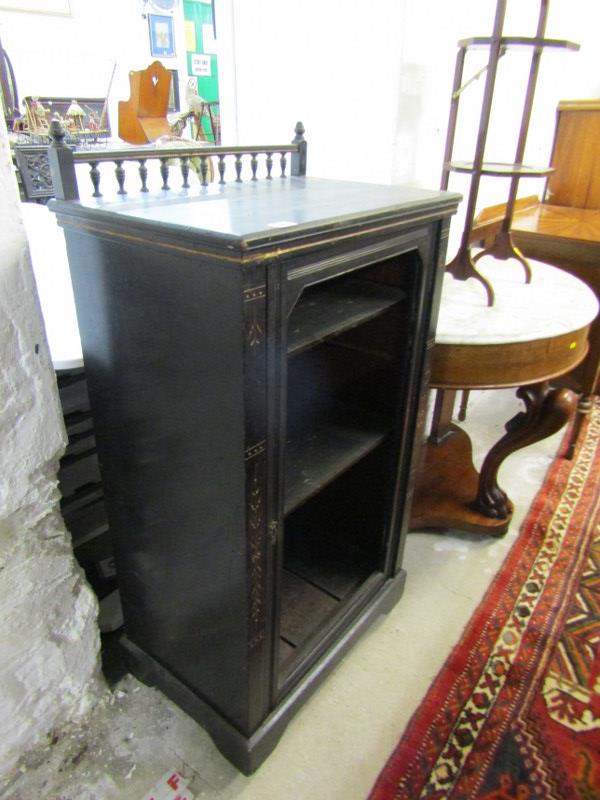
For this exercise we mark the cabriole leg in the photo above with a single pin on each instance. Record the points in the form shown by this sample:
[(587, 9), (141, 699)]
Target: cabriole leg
[(546, 411)]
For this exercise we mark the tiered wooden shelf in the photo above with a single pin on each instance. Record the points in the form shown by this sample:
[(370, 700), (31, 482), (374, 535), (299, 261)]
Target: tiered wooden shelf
[(462, 265)]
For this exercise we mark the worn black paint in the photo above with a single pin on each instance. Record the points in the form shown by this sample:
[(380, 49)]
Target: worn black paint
[(183, 304)]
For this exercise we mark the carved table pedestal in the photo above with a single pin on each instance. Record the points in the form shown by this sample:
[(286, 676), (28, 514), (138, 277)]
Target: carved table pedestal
[(533, 334)]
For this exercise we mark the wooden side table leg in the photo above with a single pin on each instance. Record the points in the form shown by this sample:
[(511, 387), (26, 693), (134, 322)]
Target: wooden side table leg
[(546, 411), (462, 411), (441, 423)]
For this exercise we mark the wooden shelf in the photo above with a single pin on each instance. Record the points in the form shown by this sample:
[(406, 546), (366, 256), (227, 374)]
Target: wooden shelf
[(519, 41), (303, 608), (312, 592), (336, 571), (327, 310), (315, 459), (501, 170)]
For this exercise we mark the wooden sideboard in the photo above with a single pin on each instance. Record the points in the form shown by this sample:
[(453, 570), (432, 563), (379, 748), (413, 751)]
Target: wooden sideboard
[(256, 357)]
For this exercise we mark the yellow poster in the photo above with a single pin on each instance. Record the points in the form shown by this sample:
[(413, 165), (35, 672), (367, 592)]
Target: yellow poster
[(190, 36)]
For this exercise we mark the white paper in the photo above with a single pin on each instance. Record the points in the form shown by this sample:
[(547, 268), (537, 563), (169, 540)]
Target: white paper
[(201, 65)]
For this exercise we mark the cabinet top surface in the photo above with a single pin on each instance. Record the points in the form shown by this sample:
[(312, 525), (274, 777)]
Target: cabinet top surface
[(264, 211)]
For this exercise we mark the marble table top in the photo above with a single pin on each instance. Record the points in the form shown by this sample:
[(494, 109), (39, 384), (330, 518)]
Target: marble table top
[(554, 303)]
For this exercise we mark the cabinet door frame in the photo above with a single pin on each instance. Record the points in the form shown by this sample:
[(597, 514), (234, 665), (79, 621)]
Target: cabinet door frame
[(294, 276)]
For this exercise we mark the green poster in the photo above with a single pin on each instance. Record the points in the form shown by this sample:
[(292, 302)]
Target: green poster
[(202, 65)]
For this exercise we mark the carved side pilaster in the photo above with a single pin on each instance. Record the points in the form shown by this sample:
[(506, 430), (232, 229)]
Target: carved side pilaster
[(255, 386)]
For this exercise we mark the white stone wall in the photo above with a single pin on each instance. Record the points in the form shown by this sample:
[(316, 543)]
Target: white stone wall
[(49, 640)]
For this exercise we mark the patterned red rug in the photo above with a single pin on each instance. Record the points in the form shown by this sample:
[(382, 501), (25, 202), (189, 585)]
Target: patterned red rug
[(515, 711)]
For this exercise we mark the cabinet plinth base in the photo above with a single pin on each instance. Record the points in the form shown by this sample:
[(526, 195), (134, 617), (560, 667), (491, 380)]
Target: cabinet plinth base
[(247, 753), (446, 489)]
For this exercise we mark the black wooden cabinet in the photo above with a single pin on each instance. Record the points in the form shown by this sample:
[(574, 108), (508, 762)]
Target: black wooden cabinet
[(256, 358)]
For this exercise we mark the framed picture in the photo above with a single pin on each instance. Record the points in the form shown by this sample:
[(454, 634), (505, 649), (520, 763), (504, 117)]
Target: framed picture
[(162, 41), (174, 91)]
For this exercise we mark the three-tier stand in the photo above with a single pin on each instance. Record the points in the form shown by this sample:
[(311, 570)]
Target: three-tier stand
[(465, 499), (463, 264)]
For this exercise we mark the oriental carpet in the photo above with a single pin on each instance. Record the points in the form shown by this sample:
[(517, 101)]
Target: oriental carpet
[(515, 711)]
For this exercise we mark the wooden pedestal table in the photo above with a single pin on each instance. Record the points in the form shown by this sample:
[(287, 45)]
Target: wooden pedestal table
[(533, 334), (568, 238)]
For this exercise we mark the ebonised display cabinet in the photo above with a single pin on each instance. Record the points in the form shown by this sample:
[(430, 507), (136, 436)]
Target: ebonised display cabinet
[(256, 357)]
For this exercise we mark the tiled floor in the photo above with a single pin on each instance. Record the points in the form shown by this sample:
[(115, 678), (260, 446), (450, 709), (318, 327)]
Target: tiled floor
[(335, 746)]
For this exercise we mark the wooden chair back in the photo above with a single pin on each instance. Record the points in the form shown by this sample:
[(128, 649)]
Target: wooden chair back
[(143, 118)]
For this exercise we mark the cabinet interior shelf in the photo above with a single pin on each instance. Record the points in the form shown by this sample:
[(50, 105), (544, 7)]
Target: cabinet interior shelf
[(325, 310), (319, 456), (500, 170), (518, 41)]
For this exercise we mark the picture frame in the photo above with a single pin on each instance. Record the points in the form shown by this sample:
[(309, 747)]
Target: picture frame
[(162, 39)]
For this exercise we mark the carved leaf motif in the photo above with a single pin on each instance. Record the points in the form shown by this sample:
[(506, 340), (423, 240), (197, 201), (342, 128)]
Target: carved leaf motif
[(39, 171), (255, 333), (255, 525)]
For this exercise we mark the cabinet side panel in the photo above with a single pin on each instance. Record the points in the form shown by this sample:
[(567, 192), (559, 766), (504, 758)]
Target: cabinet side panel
[(162, 342)]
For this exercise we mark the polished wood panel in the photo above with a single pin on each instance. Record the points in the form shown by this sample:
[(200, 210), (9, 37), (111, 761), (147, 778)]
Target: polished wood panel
[(496, 366), (576, 156)]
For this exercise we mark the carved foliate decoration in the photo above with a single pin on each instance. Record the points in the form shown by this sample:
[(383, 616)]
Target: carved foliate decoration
[(256, 519), (34, 170), (254, 330)]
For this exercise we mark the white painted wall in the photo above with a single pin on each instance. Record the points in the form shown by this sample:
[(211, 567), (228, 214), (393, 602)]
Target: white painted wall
[(49, 637), (74, 56), (376, 74), (371, 82)]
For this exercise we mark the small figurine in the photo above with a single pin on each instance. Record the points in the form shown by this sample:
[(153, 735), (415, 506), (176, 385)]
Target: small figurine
[(76, 115), (194, 101), (37, 121)]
